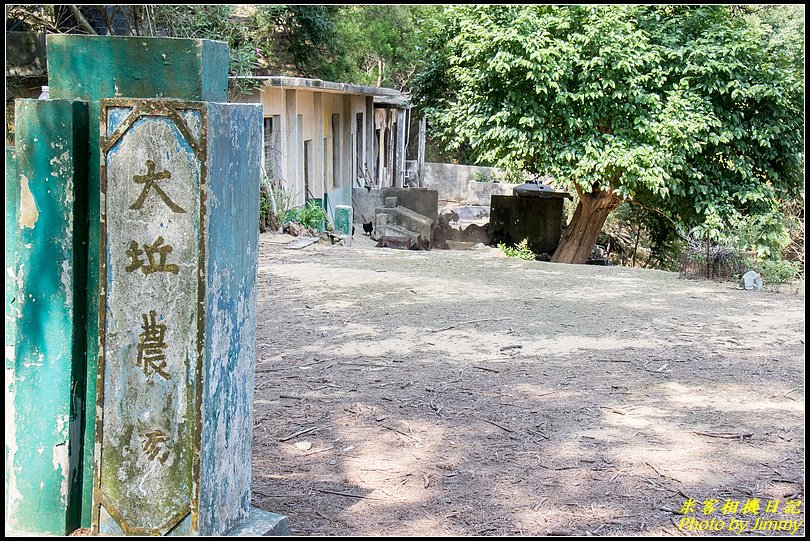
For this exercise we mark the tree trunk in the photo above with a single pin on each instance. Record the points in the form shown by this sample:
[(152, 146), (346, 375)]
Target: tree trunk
[(582, 232)]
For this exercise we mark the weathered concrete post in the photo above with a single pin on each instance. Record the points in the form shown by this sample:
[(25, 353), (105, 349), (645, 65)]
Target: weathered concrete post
[(94, 67), (45, 354), (420, 155), (177, 317)]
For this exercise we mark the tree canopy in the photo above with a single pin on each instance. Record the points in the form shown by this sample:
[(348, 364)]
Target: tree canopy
[(691, 108)]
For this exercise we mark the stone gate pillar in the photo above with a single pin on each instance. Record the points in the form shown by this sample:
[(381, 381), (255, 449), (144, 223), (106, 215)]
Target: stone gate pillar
[(177, 318)]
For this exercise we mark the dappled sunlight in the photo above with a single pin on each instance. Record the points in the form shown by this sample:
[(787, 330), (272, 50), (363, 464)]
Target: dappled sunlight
[(473, 396), (730, 398), (322, 280)]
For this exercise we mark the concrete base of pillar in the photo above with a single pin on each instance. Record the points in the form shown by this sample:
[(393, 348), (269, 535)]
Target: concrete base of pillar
[(261, 523)]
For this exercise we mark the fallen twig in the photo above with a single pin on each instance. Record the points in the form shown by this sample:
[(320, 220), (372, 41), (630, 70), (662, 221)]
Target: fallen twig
[(661, 474), (493, 423), (487, 369), (787, 481), (347, 494), (398, 431), (557, 469), (313, 363), (261, 370), (537, 433), (299, 433), (726, 435), (613, 410), (319, 451), (470, 322), (786, 395)]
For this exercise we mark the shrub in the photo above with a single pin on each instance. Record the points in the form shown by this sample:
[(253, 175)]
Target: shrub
[(274, 203), (521, 250), (777, 271), (312, 215)]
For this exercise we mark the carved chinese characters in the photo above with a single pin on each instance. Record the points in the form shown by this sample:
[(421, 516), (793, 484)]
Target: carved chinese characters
[(150, 349), (150, 315), (150, 180)]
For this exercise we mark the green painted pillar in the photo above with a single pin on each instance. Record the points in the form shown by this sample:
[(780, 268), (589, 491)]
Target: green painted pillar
[(44, 380), (12, 204), (92, 68)]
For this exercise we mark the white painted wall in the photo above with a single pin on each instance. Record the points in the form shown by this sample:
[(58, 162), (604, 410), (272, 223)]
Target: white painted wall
[(316, 114)]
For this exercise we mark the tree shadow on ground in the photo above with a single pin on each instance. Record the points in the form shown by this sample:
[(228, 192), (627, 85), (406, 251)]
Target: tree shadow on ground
[(531, 421)]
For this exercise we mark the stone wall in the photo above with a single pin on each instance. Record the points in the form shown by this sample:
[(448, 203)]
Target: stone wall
[(457, 182)]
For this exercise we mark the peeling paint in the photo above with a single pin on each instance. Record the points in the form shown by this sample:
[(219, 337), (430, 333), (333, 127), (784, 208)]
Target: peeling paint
[(14, 496), (62, 425), (62, 161), (66, 278), (28, 207), (46, 364), (61, 461)]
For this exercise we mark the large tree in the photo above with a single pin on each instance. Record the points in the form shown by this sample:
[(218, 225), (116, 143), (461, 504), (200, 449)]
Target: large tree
[(691, 108)]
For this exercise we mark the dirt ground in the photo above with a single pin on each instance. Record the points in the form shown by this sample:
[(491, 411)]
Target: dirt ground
[(466, 393)]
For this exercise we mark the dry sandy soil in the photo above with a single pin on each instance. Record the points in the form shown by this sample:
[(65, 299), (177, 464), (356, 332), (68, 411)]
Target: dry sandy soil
[(465, 393)]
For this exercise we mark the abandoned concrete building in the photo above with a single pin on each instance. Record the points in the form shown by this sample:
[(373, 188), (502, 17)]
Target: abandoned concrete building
[(323, 138), (344, 146)]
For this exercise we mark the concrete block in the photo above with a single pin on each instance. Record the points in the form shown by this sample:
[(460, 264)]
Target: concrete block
[(420, 200), (177, 316), (45, 369), (343, 219), (404, 218), (95, 67), (261, 523), (539, 220), (363, 204)]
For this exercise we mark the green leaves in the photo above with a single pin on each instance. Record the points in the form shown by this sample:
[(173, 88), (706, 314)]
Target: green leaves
[(689, 106)]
